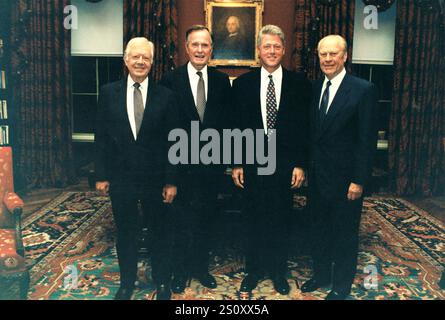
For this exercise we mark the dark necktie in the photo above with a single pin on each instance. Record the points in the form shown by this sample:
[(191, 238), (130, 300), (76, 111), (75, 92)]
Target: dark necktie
[(271, 105), (200, 97), (138, 107), (324, 101)]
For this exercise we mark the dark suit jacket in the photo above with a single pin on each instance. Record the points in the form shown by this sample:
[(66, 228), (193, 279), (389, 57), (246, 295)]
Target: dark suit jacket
[(292, 126), (119, 158), (342, 147), (215, 114)]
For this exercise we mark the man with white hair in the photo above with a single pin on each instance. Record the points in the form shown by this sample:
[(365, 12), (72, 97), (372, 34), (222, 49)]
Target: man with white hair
[(133, 121), (343, 141)]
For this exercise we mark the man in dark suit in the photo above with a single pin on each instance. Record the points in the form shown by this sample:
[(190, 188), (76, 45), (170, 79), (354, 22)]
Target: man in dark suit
[(133, 122), (202, 93), (343, 140), (271, 98)]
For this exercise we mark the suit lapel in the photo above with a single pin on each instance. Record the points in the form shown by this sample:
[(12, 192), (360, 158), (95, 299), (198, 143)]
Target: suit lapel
[(283, 94), (121, 109), (257, 97), (211, 93), (212, 89), (189, 102), (210, 86), (149, 108), (337, 104)]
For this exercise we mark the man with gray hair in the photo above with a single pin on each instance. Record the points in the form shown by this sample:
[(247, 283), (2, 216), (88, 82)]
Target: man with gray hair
[(133, 121), (203, 93), (275, 100)]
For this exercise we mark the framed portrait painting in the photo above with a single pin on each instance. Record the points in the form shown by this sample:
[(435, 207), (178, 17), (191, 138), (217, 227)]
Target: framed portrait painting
[(235, 26)]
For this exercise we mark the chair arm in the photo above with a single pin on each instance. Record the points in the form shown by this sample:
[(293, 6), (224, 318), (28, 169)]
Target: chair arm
[(15, 206), (13, 202), (18, 231)]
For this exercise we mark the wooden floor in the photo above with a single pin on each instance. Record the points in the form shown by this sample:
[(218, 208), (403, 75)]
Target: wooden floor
[(39, 197), (434, 206)]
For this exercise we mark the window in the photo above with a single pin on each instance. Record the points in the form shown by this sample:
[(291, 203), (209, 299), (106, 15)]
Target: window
[(88, 75), (99, 29), (382, 77), (374, 35), (96, 56)]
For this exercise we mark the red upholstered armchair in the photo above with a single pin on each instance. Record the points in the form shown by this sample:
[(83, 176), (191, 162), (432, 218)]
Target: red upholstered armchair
[(12, 260)]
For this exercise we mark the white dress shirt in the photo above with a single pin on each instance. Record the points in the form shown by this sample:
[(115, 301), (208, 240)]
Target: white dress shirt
[(194, 78), (277, 77), (335, 84), (130, 101)]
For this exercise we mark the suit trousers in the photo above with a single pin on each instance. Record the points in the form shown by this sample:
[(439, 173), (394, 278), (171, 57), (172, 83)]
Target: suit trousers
[(335, 238), (131, 208), (268, 204), (194, 227)]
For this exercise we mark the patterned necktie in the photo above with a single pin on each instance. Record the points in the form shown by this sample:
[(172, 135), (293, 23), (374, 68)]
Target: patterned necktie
[(324, 101), (200, 97), (271, 105), (138, 107)]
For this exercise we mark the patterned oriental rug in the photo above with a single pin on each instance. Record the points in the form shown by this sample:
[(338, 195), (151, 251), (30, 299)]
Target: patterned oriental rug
[(70, 251)]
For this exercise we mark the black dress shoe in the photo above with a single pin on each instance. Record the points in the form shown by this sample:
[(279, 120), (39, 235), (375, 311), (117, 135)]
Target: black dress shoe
[(207, 280), (313, 284), (163, 292), (124, 293), (337, 295), (281, 285), (249, 283), (179, 284)]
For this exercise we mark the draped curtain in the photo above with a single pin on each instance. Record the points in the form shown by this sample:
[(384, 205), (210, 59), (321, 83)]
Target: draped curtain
[(158, 21), (313, 21), (40, 69), (417, 122)]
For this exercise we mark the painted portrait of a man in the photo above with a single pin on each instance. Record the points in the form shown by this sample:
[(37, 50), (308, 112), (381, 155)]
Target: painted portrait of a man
[(234, 33)]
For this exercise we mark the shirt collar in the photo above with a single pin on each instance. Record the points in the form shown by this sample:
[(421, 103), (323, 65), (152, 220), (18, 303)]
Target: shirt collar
[(336, 81), (192, 70), (277, 74), (131, 82)]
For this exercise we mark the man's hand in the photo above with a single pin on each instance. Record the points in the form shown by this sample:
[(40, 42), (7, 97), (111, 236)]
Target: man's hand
[(297, 178), (169, 193), (238, 177), (103, 187), (355, 191)]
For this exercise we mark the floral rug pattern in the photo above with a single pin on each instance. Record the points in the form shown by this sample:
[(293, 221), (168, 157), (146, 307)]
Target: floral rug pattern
[(70, 251)]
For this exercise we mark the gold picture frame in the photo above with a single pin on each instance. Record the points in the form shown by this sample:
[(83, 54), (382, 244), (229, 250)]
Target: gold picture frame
[(235, 26)]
